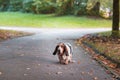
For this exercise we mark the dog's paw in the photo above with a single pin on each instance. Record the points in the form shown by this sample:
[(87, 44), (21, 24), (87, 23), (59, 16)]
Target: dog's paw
[(66, 63)]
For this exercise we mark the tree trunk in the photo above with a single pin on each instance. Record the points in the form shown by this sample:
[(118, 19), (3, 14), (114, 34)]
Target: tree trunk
[(115, 24)]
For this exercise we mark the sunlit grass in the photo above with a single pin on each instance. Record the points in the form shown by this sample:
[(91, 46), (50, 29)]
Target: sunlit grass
[(50, 21)]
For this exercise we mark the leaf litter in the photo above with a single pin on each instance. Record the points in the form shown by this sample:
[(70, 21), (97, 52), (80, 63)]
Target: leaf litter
[(9, 34), (1, 73), (104, 49), (58, 72)]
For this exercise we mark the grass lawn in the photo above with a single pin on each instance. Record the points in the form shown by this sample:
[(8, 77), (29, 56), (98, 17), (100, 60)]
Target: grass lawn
[(50, 21)]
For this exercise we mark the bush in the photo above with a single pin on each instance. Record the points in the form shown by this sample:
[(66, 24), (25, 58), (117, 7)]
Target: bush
[(43, 6), (80, 7), (94, 11), (64, 7), (15, 5), (28, 6), (4, 4)]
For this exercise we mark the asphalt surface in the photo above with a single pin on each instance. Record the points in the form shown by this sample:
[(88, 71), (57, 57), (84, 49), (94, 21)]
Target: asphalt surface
[(30, 57)]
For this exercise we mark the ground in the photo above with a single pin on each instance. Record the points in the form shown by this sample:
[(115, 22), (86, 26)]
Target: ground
[(30, 57)]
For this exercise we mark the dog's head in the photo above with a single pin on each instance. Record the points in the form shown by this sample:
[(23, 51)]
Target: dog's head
[(60, 49)]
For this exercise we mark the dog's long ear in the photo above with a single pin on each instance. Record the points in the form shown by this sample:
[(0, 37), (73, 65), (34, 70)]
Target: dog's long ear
[(55, 51)]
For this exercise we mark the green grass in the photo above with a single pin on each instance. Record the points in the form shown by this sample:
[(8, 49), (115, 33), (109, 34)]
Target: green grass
[(50, 21)]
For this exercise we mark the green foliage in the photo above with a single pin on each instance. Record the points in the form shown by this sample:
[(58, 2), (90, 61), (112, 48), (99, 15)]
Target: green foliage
[(104, 3), (60, 7), (64, 7), (44, 6), (27, 6), (105, 7), (15, 5), (4, 5), (80, 7), (95, 10)]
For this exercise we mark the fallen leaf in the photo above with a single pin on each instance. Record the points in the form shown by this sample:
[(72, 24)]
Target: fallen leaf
[(28, 68), (82, 72), (95, 78), (113, 65), (0, 73), (38, 64), (78, 62), (78, 44), (59, 73), (21, 54), (90, 73), (25, 74)]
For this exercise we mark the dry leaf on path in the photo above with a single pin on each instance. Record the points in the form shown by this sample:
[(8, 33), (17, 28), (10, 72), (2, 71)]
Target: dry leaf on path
[(95, 78), (28, 68), (59, 73), (39, 64), (82, 72), (78, 62), (25, 74), (0, 73), (22, 54)]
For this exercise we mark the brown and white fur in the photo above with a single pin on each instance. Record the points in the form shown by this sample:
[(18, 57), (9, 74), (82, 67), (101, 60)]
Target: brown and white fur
[(64, 52)]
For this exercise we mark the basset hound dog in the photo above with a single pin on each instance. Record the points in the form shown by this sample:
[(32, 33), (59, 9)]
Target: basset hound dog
[(64, 52)]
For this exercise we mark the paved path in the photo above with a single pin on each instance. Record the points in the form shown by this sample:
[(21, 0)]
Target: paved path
[(30, 58)]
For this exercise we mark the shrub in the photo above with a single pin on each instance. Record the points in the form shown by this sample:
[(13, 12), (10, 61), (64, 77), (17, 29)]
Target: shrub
[(15, 5), (27, 6), (44, 6), (80, 7), (4, 4), (64, 7)]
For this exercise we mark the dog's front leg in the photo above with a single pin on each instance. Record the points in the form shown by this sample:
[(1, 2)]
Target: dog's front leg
[(60, 59), (66, 61)]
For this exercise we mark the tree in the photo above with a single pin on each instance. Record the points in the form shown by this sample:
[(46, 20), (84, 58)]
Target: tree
[(115, 25)]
